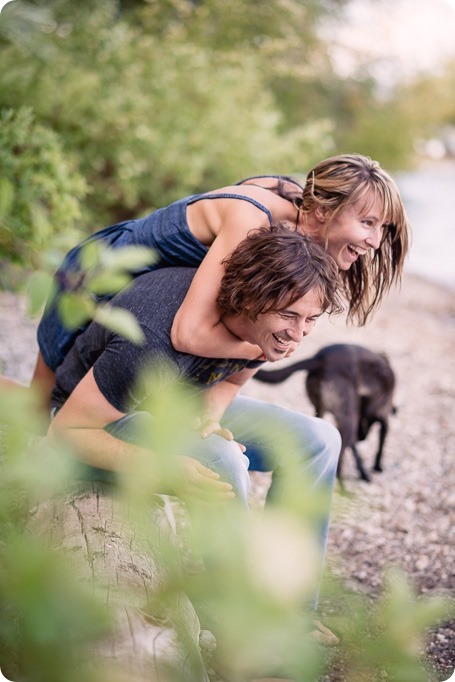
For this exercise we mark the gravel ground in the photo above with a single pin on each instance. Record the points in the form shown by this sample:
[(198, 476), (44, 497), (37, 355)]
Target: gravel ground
[(405, 517)]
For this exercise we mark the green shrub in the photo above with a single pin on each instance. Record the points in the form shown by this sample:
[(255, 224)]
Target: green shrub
[(40, 190)]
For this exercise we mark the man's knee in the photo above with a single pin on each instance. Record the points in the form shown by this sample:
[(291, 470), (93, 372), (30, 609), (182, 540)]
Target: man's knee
[(225, 458), (330, 438), (319, 442), (325, 451)]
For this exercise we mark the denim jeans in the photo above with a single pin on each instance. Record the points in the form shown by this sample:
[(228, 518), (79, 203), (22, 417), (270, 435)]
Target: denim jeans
[(262, 428)]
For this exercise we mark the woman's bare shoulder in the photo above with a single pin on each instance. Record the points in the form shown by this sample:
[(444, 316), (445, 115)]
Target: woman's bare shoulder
[(256, 206), (260, 194)]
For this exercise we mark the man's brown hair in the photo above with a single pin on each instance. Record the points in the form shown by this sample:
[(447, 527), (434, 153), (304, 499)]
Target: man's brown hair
[(274, 267)]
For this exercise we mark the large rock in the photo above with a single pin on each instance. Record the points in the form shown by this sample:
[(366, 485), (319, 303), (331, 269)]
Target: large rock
[(153, 639)]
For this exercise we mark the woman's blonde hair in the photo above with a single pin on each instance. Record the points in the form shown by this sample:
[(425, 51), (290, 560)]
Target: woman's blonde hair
[(338, 182)]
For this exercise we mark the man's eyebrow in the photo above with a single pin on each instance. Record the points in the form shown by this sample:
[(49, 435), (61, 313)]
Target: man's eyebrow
[(289, 311)]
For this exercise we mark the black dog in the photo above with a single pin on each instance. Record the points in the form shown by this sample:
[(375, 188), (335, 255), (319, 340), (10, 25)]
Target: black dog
[(352, 383)]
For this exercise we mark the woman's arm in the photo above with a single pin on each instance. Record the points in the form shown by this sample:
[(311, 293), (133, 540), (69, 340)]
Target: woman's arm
[(197, 328)]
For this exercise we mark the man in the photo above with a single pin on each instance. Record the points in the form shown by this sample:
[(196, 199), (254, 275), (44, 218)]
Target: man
[(276, 284)]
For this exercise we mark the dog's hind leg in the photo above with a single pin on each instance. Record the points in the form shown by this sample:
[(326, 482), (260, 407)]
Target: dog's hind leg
[(358, 460), (382, 436), (340, 464)]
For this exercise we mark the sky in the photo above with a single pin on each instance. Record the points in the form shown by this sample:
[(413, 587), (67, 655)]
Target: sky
[(405, 36)]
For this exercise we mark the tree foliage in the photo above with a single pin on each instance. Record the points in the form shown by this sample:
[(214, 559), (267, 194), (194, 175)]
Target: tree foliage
[(149, 100), (166, 100), (40, 188)]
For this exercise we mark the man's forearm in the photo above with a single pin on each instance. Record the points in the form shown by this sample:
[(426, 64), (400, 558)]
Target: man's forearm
[(81, 424), (217, 398), (183, 476), (97, 447)]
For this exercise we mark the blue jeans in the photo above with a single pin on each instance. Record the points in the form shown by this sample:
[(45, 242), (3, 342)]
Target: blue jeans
[(263, 428)]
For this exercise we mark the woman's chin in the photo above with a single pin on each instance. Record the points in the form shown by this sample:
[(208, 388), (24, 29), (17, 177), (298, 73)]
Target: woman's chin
[(345, 265)]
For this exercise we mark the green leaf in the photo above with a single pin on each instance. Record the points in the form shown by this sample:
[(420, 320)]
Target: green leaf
[(128, 258), (75, 310), (120, 321), (90, 255), (6, 196), (108, 283), (38, 289)]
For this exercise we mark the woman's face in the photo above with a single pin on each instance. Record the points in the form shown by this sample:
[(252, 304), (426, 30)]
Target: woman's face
[(354, 231)]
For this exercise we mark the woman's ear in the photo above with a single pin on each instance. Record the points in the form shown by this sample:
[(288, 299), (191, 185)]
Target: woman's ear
[(321, 214)]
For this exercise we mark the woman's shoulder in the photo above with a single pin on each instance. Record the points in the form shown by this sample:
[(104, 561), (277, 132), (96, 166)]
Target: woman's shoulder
[(274, 183), (247, 192)]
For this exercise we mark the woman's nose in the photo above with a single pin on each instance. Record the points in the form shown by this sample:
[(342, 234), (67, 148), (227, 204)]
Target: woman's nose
[(374, 238)]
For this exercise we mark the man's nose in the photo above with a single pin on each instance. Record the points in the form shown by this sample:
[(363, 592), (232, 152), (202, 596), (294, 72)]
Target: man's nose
[(300, 330)]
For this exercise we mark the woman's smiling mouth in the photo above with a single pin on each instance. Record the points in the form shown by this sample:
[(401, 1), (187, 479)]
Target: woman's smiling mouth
[(357, 250)]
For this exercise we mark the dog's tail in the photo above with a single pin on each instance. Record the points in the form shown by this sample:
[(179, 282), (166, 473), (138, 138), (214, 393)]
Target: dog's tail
[(276, 376)]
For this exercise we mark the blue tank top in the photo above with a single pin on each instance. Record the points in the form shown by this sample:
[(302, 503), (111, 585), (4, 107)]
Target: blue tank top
[(165, 231)]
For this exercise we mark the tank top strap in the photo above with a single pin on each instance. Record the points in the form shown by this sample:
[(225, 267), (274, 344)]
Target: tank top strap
[(287, 178), (227, 195)]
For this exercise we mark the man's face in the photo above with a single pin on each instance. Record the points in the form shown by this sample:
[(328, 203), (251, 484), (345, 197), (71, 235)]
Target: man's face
[(279, 333)]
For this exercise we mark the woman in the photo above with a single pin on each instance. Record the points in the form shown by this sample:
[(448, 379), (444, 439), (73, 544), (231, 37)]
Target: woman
[(349, 204)]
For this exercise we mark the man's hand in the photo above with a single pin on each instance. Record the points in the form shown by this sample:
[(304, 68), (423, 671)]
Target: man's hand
[(207, 427), (197, 483)]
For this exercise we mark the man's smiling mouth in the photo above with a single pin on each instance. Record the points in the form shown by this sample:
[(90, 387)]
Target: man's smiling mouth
[(281, 340)]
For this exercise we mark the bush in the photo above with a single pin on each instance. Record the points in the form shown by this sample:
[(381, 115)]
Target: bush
[(152, 116), (40, 191)]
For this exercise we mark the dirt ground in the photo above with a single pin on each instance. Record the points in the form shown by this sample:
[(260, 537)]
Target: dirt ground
[(405, 516)]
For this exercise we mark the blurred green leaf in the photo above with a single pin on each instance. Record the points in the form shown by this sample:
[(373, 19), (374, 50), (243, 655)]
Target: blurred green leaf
[(38, 289), (90, 255), (384, 639), (107, 283), (75, 309), (128, 258), (120, 321)]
